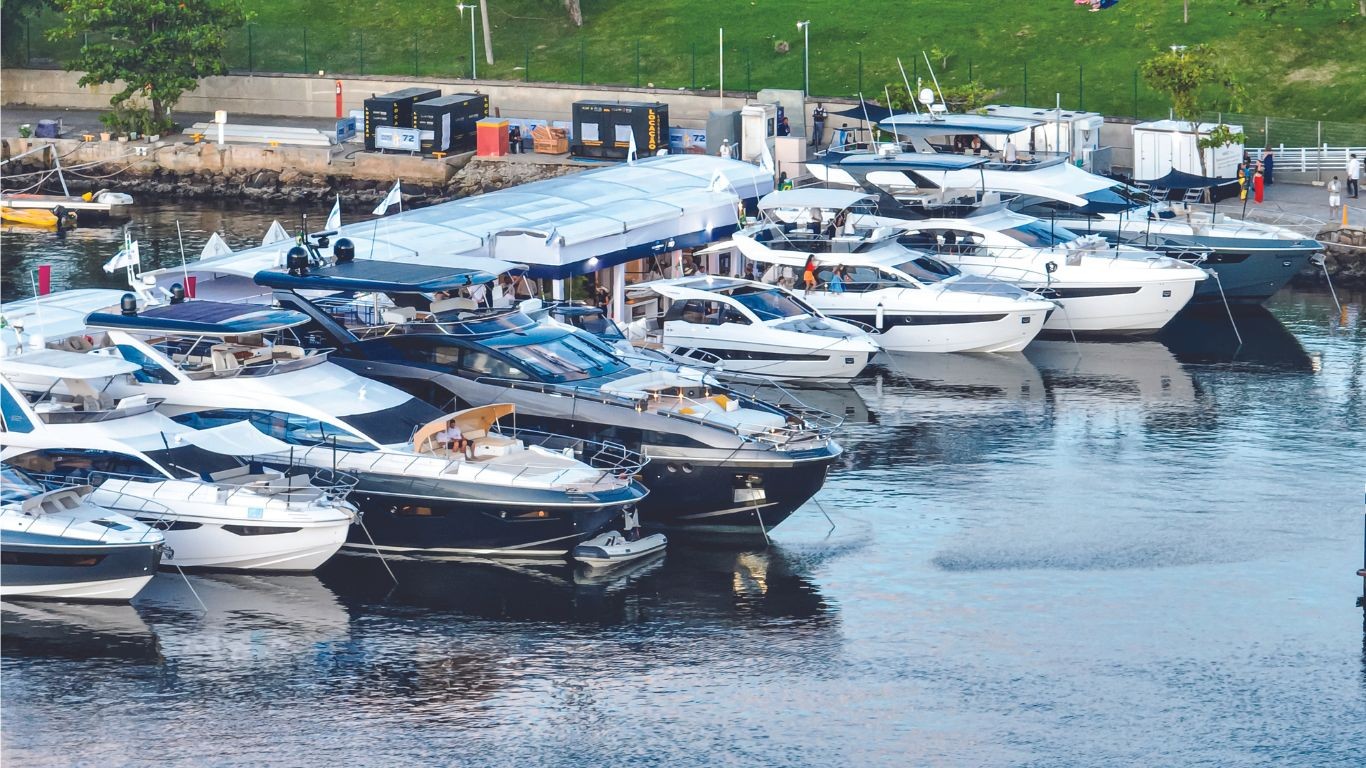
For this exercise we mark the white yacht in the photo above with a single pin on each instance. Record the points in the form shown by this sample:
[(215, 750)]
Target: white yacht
[(215, 364), (751, 327), (56, 544), (1099, 288), (1253, 253), (76, 418), (917, 303)]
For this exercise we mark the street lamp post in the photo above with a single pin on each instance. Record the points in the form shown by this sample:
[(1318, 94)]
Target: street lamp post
[(474, 66), (805, 27)]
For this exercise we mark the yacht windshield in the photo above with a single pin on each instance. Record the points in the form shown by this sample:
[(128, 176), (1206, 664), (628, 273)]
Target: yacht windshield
[(15, 486), (391, 425), (1040, 234), (769, 303), (928, 269), (1133, 194), (566, 358)]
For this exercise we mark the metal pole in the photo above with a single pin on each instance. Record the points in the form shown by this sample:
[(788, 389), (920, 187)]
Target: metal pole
[(362, 52), (1081, 88), (749, 72), (28, 43), (969, 70), (583, 55), (1135, 94), (694, 66), (414, 56), (806, 59), (1026, 84), (637, 63), (860, 71), (474, 59), (721, 66), (306, 69), (526, 66), (251, 51)]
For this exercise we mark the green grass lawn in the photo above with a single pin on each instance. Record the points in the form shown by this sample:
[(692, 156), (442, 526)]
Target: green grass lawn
[(1308, 64)]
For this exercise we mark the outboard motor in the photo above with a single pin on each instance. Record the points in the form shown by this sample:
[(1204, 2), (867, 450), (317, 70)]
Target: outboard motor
[(177, 294), (297, 261), (128, 305), (344, 251)]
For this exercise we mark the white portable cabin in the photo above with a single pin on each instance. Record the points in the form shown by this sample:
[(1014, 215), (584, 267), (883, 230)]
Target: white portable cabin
[(1166, 145), (1073, 132)]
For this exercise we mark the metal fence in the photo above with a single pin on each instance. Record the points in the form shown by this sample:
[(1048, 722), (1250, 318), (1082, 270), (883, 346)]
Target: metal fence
[(444, 50)]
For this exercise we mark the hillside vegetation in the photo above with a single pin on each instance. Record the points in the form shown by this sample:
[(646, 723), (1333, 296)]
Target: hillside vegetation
[(1302, 62)]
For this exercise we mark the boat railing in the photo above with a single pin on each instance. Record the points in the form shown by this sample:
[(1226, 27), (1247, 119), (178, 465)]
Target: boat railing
[(56, 411), (225, 490), (1252, 221), (135, 506), (605, 455), (263, 368)]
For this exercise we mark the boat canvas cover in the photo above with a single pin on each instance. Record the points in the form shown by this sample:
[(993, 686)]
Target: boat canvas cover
[(867, 111), (1175, 179), (239, 438), (949, 125), (813, 197), (59, 315), (209, 318), (386, 276), (907, 161), (60, 364)]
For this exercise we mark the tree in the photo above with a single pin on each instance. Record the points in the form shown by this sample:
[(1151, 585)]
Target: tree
[(1182, 73), (575, 12), (159, 49), (15, 16)]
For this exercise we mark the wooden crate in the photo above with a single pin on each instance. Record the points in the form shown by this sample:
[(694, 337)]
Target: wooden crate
[(550, 141)]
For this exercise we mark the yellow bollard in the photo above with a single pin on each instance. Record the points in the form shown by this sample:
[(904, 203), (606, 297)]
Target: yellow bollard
[(1344, 215)]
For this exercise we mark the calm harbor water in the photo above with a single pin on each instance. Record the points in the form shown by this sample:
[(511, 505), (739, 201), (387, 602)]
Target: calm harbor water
[(1135, 553)]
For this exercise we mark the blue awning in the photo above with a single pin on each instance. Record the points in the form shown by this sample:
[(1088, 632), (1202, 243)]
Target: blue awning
[(208, 318), (378, 276)]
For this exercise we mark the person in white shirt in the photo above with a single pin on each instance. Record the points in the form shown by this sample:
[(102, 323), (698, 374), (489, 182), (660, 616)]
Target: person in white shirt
[(1354, 176), (1334, 199), (1009, 152)]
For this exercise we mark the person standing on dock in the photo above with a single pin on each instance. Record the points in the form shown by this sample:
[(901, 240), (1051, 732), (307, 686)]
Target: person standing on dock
[(1354, 176), (1269, 163), (1334, 199), (1258, 184), (817, 125)]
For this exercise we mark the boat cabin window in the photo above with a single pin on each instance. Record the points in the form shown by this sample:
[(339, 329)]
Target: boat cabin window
[(15, 486), (703, 312), (477, 363), (595, 323), (391, 425), (81, 464), (770, 303), (151, 371), (928, 269), (862, 279), (1040, 234), (187, 461), (565, 358), (287, 427), (15, 420)]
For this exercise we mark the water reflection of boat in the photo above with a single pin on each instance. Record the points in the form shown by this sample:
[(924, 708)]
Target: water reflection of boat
[(692, 583), (1205, 335), (246, 617), (1145, 371), (921, 384), (76, 631), (840, 400)]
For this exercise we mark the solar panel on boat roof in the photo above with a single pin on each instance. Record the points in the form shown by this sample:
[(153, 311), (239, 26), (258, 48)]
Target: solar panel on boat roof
[(389, 271), (203, 311)]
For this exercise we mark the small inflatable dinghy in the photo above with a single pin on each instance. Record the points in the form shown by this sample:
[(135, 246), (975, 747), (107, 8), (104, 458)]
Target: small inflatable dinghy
[(611, 548)]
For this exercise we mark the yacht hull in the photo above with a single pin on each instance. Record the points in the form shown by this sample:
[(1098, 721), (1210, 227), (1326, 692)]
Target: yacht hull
[(105, 573), (716, 496), (250, 545), (1122, 310), (986, 332), (417, 525), (783, 362)]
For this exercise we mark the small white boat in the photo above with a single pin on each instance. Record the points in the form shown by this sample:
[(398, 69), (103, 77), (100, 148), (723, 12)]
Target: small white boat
[(613, 548)]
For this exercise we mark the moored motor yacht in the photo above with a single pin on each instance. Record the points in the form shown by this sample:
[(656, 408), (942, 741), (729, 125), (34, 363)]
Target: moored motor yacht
[(1099, 288), (70, 420), (751, 327), (1252, 254), (215, 365), (56, 544), (915, 302)]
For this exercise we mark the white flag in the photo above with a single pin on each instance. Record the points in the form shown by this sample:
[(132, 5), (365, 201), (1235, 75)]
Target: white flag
[(334, 218), (128, 257), (275, 234), (216, 246), (631, 151), (395, 196)]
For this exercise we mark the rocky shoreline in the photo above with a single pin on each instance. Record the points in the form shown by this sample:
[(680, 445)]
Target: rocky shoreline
[(292, 186)]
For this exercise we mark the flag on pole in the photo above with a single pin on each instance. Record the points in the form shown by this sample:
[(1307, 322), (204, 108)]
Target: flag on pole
[(127, 257), (395, 196), (334, 218), (631, 151)]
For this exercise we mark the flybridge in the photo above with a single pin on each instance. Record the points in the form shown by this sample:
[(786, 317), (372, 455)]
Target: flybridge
[(208, 318)]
